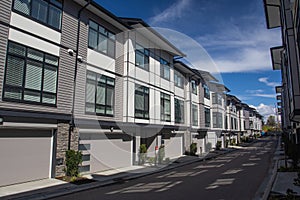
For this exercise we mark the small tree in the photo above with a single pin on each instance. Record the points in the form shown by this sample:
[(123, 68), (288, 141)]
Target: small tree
[(218, 145), (73, 160), (193, 149), (161, 154), (142, 154)]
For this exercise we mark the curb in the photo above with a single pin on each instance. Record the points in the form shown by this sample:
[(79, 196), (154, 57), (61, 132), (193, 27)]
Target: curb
[(73, 189)]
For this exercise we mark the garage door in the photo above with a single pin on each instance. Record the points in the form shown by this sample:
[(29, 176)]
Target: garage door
[(173, 147), (105, 151), (25, 155)]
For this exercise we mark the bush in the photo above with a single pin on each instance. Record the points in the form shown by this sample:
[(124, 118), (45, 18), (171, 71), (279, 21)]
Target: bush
[(193, 149), (161, 154), (73, 160), (142, 154), (218, 145)]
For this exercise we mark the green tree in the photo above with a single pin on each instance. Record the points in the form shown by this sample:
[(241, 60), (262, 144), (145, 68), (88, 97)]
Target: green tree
[(271, 121)]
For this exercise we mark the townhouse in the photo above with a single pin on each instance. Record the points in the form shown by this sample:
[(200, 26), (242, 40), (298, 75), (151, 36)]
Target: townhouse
[(75, 76), (285, 15)]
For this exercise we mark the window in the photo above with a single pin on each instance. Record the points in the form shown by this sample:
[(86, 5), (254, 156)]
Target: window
[(165, 107), (226, 122), (99, 94), (206, 92), (217, 99), (231, 120), (48, 12), (178, 79), (142, 57), (179, 111), (195, 115), (141, 102), (101, 39), (217, 120), (207, 117), (235, 124), (30, 76), (194, 86), (164, 69)]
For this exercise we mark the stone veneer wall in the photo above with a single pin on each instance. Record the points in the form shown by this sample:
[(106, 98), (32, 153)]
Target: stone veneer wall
[(62, 145)]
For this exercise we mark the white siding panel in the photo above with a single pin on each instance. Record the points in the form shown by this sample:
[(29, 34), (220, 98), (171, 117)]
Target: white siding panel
[(101, 60)]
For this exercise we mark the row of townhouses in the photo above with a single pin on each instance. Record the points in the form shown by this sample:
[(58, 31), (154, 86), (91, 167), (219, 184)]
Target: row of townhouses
[(75, 76), (284, 14)]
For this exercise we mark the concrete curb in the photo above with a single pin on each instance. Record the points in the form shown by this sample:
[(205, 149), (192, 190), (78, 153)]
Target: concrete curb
[(73, 189)]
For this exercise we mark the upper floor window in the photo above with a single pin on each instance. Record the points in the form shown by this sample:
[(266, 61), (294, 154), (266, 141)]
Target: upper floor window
[(195, 115), (99, 94), (179, 111), (194, 86), (141, 102), (164, 69), (216, 99), (30, 75), (165, 107), (207, 117), (48, 12), (178, 79), (217, 120), (206, 92), (142, 57), (101, 39)]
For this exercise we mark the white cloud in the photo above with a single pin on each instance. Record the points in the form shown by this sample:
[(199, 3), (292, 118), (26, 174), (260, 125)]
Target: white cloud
[(265, 95), (175, 11), (266, 81), (265, 110)]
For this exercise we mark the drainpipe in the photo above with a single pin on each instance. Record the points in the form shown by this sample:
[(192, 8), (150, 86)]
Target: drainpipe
[(72, 123)]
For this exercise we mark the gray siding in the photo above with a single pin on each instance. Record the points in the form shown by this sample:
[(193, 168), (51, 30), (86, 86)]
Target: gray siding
[(5, 10)]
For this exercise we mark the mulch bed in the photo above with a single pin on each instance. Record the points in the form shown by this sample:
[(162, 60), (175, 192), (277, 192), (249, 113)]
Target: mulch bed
[(77, 181)]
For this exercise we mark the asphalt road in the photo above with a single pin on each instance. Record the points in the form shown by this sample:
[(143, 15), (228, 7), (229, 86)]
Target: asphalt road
[(242, 174)]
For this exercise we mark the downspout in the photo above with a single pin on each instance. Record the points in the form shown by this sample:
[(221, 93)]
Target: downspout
[(72, 123)]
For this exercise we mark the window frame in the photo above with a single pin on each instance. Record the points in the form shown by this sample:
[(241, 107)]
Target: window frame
[(179, 119), (106, 87), (217, 120), (146, 98), (163, 101), (145, 53), (207, 117), (206, 91), (107, 37), (164, 65), (23, 88), (179, 75), (194, 86), (49, 3), (195, 121)]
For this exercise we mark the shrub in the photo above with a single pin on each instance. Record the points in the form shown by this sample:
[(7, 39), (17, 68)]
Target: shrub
[(193, 149), (218, 145), (73, 159), (161, 154), (142, 154)]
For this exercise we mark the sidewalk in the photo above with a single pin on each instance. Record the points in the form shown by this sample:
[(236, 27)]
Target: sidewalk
[(50, 188)]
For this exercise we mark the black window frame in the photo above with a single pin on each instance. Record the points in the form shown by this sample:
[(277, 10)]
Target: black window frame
[(106, 86), (179, 111), (163, 99), (194, 86), (179, 75), (163, 65), (146, 56), (108, 37), (207, 116), (23, 89), (146, 95), (206, 91), (217, 120), (49, 3)]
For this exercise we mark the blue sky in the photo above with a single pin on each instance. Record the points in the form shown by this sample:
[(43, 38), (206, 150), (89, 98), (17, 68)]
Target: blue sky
[(232, 33)]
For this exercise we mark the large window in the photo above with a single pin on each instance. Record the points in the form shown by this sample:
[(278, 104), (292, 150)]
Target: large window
[(194, 86), (99, 94), (141, 102), (101, 39), (195, 115), (217, 120), (207, 117), (178, 79), (164, 69), (142, 57), (206, 92), (30, 75), (179, 111), (165, 107), (216, 99), (48, 12)]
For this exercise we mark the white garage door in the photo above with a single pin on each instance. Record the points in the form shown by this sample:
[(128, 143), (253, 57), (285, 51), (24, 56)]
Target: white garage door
[(105, 151), (173, 147), (25, 155)]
